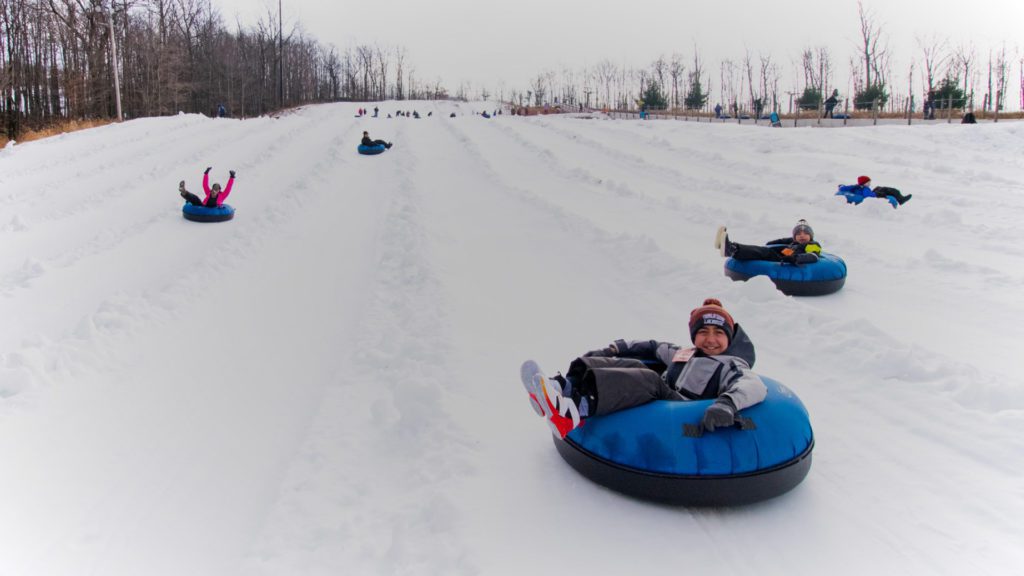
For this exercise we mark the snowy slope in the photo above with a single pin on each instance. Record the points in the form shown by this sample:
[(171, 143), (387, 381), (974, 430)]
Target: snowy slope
[(329, 383)]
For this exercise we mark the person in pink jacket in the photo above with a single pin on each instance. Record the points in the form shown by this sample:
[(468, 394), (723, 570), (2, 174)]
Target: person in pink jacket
[(214, 196)]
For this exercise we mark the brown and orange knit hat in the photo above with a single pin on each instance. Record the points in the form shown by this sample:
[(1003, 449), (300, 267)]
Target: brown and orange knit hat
[(711, 313)]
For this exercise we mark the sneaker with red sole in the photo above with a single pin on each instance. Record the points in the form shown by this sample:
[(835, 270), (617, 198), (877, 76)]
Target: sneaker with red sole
[(561, 413)]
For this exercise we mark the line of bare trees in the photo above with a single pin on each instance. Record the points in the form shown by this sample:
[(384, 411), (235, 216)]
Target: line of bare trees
[(57, 63), (753, 84)]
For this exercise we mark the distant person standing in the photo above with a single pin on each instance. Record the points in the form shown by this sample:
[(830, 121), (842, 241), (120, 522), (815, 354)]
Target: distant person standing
[(929, 108), (221, 111), (830, 104)]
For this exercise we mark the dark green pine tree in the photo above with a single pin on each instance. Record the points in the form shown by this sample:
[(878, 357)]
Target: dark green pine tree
[(949, 94), (696, 97), (810, 99), (652, 98), (865, 99)]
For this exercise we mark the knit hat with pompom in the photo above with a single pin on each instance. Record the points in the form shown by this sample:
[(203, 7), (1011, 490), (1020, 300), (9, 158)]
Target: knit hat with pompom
[(711, 313), (803, 226)]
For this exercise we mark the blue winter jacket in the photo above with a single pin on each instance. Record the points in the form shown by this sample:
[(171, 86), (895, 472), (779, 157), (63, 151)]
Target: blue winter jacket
[(856, 190), (856, 193)]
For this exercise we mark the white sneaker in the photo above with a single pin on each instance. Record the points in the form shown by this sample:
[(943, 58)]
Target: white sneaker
[(527, 371), (561, 413), (720, 238)]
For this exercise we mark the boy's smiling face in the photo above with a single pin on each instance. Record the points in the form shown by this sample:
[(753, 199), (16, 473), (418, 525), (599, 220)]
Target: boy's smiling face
[(711, 340)]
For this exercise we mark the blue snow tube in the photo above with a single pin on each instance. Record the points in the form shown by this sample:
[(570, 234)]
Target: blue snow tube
[(203, 214), (371, 150), (658, 451), (825, 276)]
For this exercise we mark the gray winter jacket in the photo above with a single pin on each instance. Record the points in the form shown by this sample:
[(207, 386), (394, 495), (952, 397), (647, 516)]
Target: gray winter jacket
[(696, 376)]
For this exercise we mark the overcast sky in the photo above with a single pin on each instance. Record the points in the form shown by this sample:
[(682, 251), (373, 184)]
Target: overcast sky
[(489, 42)]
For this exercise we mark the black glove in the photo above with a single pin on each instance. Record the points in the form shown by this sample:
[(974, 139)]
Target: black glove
[(721, 414), (805, 259), (232, 173), (208, 168)]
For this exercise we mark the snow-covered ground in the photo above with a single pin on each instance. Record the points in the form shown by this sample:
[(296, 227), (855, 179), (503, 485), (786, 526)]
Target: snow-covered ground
[(328, 384)]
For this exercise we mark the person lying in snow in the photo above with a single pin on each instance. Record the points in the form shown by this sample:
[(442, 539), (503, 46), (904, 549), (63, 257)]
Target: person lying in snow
[(800, 248), (856, 193), (628, 374), (368, 142), (214, 196)]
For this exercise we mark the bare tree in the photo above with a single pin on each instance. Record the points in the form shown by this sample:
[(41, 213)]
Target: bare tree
[(963, 59), (539, 87), (769, 81), (605, 72), (676, 70), (936, 57), (1002, 70), (366, 57), (728, 79), (752, 87), (658, 70), (381, 79), (875, 54), (400, 55)]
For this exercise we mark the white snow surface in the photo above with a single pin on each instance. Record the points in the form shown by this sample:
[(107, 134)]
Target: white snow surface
[(328, 384)]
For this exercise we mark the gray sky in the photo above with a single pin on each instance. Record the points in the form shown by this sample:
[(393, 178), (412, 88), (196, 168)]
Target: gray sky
[(488, 42)]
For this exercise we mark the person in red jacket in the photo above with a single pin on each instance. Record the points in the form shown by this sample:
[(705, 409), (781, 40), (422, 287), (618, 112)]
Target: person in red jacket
[(214, 196)]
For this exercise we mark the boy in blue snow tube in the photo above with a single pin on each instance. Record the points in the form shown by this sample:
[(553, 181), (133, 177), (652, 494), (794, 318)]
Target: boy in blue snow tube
[(632, 373), (798, 249), (367, 141), (856, 193)]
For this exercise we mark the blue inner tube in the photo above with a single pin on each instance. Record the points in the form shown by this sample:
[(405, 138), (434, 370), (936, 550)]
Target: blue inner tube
[(204, 214), (646, 452), (371, 150), (825, 276)]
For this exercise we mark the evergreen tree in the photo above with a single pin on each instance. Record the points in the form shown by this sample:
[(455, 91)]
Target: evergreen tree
[(653, 98), (949, 94), (865, 99), (810, 99), (696, 97)]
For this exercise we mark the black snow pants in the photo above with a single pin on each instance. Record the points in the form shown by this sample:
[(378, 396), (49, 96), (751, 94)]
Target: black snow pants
[(618, 383)]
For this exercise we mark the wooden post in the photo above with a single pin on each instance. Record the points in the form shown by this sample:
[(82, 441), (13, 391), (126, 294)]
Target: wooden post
[(874, 112), (995, 117)]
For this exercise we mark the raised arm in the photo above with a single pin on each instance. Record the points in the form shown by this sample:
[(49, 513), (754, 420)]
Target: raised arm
[(206, 181), (227, 189)]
